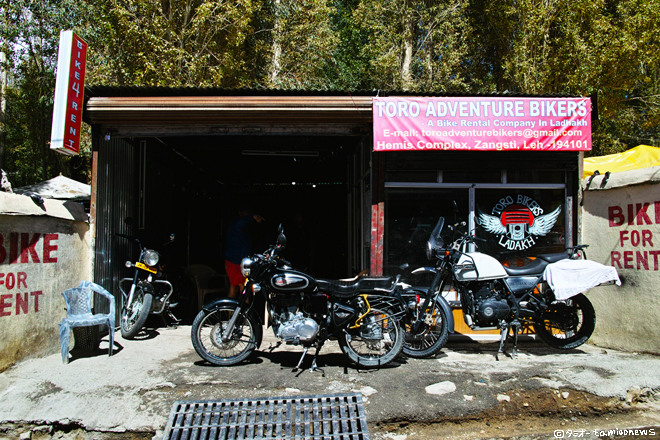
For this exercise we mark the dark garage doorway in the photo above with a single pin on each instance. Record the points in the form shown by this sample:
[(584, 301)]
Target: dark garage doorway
[(192, 186)]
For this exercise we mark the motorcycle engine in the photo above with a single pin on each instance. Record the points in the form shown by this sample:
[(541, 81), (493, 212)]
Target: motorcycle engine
[(485, 304), (293, 327)]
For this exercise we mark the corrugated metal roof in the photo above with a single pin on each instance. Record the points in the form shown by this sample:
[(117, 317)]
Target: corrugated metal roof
[(168, 109), (134, 91)]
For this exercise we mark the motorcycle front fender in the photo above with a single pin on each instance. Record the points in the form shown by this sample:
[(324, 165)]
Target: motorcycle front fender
[(441, 299), (425, 269), (448, 312), (230, 302)]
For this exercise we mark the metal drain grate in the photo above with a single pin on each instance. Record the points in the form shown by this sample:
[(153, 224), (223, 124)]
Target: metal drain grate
[(325, 416)]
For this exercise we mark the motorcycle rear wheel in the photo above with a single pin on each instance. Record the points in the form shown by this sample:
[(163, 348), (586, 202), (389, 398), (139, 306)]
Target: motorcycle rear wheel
[(206, 334), (566, 324), (132, 321), (432, 335), (377, 345)]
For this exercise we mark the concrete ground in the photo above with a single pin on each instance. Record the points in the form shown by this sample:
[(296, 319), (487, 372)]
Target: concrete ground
[(462, 393)]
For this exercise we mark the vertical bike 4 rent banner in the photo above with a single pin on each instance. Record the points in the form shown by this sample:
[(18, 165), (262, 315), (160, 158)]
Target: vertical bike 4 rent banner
[(482, 124)]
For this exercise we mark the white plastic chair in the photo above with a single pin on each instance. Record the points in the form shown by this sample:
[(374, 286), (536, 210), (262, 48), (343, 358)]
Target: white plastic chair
[(201, 275), (79, 314)]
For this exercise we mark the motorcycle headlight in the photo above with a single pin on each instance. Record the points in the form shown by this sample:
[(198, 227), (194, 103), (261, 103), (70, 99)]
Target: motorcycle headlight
[(246, 267), (150, 257)]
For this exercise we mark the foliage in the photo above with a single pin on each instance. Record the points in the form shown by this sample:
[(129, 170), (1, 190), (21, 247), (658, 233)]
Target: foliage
[(301, 43), (415, 45), (171, 42), (29, 36), (608, 48)]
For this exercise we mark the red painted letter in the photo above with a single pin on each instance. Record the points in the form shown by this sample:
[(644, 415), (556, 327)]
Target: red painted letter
[(48, 248), (655, 258), (5, 305), (27, 246), (643, 260), (641, 214), (627, 260), (21, 303), (615, 214), (647, 236), (36, 299), (21, 277), (13, 247)]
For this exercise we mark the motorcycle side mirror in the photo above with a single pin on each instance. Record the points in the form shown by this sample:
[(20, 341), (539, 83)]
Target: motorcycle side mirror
[(404, 266), (172, 237), (281, 238)]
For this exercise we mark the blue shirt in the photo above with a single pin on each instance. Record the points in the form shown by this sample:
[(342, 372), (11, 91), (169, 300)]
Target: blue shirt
[(239, 244)]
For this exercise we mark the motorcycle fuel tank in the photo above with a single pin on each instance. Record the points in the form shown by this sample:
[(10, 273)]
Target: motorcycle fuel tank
[(475, 266), (292, 282)]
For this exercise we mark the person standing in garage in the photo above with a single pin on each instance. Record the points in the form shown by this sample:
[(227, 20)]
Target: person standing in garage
[(239, 246)]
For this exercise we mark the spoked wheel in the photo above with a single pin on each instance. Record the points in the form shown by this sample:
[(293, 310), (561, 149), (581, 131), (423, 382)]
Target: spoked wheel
[(207, 331), (377, 342), (429, 334), (566, 324), (134, 315)]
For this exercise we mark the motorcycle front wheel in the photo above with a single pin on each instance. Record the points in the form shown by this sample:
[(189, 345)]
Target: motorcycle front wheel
[(134, 315), (566, 324), (207, 331), (430, 335), (377, 342)]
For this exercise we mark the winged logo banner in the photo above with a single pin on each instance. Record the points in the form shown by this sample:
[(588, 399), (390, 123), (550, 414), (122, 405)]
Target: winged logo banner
[(518, 225)]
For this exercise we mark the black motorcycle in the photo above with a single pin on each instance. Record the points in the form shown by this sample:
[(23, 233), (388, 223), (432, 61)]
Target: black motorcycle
[(363, 314), (429, 321), (494, 296), (146, 292)]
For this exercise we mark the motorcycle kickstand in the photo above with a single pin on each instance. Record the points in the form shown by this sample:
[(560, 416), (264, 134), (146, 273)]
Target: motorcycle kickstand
[(315, 367), (301, 359), (504, 334), (515, 325), (174, 318)]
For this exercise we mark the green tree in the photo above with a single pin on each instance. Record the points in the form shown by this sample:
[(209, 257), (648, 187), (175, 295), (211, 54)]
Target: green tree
[(29, 36), (300, 43), (172, 43), (414, 45), (629, 86)]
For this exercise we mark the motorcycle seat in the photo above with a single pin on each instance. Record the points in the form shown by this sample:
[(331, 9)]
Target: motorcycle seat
[(537, 266), (354, 287), (553, 258)]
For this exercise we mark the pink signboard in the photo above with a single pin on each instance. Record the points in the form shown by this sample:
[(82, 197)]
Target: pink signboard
[(482, 124)]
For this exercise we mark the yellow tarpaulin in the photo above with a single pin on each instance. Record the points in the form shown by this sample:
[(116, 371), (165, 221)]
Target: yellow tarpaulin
[(641, 156)]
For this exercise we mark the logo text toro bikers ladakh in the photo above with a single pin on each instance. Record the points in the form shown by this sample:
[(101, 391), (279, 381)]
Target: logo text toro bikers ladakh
[(518, 222)]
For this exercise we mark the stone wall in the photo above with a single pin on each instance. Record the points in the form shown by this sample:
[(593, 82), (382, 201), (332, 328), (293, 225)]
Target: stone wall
[(621, 223), (44, 250)]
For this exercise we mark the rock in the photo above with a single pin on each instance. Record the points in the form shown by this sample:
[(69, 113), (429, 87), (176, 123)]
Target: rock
[(503, 398), (367, 391), (468, 398), (565, 395), (26, 435), (441, 388), (45, 429), (395, 437), (633, 395), (291, 390)]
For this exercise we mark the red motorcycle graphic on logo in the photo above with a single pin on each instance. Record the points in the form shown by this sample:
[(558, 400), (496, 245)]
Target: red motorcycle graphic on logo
[(517, 225)]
